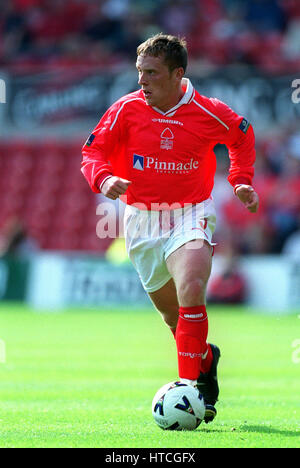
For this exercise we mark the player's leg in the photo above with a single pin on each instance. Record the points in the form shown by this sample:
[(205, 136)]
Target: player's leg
[(148, 256), (190, 267), (166, 302)]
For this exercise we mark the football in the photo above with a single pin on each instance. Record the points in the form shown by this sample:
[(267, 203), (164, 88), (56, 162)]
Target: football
[(178, 406)]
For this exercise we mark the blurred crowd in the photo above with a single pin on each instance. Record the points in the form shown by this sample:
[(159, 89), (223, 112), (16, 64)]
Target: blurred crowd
[(277, 180), (264, 33)]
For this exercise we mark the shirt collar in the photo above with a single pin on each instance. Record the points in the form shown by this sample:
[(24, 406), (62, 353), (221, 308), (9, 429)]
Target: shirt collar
[(186, 98)]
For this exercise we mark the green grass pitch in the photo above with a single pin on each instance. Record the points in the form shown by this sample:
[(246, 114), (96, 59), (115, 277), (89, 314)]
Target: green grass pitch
[(86, 378)]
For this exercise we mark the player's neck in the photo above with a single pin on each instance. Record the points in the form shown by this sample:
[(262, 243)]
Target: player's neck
[(172, 101)]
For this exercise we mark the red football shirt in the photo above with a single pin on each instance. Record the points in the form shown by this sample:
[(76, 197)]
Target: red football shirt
[(168, 156)]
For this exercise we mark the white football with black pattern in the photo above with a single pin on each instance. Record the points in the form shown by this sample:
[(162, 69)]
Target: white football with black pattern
[(178, 406)]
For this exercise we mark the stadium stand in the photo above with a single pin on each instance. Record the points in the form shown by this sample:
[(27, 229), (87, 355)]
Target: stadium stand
[(42, 187), (264, 33)]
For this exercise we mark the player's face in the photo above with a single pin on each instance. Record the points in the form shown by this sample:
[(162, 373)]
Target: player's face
[(161, 87)]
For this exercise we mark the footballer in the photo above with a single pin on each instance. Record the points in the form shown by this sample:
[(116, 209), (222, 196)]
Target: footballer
[(153, 149)]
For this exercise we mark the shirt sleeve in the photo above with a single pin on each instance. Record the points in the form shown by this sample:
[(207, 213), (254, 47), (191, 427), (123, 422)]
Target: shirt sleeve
[(237, 134), (100, 148)]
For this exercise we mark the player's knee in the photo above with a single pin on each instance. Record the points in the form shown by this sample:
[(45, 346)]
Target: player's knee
[(192, 291)]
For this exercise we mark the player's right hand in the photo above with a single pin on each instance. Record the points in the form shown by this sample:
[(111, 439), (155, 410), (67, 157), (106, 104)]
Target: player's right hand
[(114, 187)]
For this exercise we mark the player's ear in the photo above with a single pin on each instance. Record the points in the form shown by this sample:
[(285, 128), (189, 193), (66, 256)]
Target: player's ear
[(179, 73)]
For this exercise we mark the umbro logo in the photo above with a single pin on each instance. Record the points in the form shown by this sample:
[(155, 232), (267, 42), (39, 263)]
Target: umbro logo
[(194, 316)]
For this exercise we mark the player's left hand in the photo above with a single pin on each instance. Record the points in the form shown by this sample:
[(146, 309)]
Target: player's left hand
[(248, 196)]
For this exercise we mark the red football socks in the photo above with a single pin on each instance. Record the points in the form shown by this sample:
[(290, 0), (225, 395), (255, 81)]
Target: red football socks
[(207, 360), (191, 336)]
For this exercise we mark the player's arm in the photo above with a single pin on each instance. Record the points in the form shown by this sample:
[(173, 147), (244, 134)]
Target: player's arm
[(238, 135), (101, 147)]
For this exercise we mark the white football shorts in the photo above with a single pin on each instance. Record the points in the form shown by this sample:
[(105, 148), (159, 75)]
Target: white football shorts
[(151, 236)]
